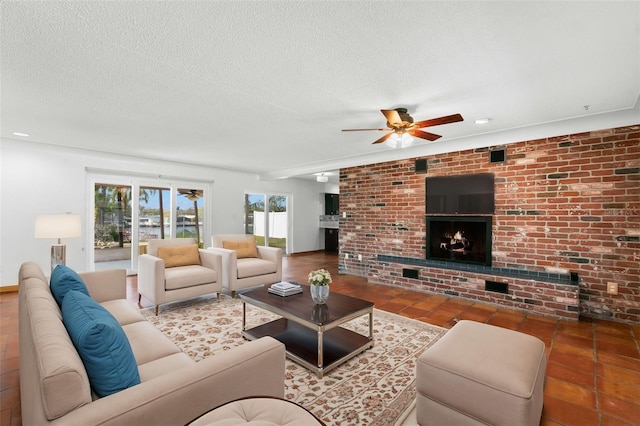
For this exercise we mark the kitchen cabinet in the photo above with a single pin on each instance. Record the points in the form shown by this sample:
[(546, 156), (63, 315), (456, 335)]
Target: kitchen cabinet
[(331, 204), (331, 240)]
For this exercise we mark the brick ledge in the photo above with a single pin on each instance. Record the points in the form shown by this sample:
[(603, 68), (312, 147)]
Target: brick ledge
[(554, 278)]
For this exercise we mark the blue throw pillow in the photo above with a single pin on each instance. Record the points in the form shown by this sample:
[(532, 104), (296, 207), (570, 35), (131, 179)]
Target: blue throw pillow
[(64, 279), (101, 343)]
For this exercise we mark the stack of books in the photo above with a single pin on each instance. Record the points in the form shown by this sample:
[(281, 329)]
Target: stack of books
[(285, 288)]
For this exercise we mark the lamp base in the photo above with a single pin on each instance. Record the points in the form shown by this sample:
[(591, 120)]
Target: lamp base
[(58, 255)]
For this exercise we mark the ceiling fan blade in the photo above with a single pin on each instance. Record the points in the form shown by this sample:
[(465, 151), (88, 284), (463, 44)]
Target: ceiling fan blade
[(384, 138), (392, 116), (424, 135), (191, 193), (364, 130), (437, 121)]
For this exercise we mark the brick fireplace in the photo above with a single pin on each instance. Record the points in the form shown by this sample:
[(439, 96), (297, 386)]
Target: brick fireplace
[(566, 222)]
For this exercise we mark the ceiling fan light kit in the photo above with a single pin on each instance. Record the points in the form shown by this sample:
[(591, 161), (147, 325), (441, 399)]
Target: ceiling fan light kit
[(399, 140), (403, 129)]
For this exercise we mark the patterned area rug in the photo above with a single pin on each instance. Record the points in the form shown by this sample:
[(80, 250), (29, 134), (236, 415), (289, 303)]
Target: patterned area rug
[(373, 388)]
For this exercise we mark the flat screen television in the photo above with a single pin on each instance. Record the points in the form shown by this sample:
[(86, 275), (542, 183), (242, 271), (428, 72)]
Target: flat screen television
[(462, 194)]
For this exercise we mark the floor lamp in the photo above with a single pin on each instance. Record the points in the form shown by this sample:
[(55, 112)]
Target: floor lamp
[(58, 226)]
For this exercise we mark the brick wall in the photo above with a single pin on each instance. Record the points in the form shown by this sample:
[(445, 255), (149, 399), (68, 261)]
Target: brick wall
[(563, 204)]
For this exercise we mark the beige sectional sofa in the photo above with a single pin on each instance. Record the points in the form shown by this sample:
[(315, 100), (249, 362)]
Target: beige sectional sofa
[(173, 389)]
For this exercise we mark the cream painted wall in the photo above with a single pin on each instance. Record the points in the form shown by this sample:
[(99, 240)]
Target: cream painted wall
[(44, 179)]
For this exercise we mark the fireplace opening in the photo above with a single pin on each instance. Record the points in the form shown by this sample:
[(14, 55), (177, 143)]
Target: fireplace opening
[(464, 239)]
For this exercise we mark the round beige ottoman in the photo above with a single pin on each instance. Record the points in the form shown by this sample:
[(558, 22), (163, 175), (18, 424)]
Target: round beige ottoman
[(258, 411)]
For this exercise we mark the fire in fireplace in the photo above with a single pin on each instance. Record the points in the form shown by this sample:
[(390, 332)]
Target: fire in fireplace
[(459, 238)]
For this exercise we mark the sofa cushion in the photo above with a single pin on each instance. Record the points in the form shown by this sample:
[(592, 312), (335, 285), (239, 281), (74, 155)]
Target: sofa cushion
[(188, 276), (250, 267), (164, 365), (148, 343), (63, 280), (242, 248), (101, 343), (123, 311), (179, 255)]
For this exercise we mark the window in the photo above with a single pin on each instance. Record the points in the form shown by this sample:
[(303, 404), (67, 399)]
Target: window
[(189, 215), (154, 214), (129, 211), (270, 228)]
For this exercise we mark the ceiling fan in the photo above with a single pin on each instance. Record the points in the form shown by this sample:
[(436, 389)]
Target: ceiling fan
[(399, 122), (191, 194)]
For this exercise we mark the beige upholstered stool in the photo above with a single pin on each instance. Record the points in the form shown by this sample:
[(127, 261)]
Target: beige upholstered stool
[(258, 411), (481, 374)]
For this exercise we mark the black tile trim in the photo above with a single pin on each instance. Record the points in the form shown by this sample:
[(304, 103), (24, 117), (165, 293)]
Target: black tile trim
[(550, 277)]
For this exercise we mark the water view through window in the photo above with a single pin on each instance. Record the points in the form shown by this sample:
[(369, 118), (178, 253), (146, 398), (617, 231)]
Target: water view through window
[(120, 236)]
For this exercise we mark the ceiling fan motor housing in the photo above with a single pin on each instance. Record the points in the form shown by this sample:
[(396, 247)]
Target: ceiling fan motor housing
[(404, 116)]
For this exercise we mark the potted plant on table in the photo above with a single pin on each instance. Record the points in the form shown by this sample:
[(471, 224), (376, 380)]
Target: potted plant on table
[(319, 281)]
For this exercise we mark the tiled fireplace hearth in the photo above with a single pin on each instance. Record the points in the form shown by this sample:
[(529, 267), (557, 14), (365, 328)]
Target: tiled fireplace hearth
[(545, 293)]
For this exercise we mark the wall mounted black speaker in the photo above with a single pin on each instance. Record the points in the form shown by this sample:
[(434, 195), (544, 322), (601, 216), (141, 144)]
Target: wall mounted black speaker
[(421, 166), (410, 273), (498, 156), (496, 287)]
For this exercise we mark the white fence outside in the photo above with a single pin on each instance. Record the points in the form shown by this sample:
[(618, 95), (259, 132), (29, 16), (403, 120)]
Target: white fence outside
[(277, 224)]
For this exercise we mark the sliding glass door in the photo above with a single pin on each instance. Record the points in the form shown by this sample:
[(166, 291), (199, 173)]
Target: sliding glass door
[(154, 215), (189, 214), (266, 216), (112, 226), (278, 222), (128, 213)]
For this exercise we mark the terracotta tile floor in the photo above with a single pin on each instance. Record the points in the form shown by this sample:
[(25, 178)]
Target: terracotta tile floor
[(593, 374)]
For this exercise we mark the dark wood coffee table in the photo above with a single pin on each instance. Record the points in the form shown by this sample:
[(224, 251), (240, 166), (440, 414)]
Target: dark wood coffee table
[(311, 333)]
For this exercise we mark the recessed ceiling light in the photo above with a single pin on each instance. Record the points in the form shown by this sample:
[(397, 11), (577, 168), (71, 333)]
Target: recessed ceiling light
[(483, 120), (26, 135)]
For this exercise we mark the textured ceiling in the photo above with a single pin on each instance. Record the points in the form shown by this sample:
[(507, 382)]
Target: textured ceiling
[(267, 86)]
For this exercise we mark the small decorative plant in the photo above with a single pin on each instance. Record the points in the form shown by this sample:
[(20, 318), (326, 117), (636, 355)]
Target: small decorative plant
[(319, 277)]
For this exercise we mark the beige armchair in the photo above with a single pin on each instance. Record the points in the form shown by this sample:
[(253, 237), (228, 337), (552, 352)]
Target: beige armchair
[(176, 270), (244, 264)]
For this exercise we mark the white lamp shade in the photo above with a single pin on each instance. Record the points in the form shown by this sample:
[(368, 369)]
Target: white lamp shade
[(399, 140), (58, 226)]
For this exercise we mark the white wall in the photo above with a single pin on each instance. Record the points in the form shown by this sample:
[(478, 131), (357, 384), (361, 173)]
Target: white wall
[(44, 179)]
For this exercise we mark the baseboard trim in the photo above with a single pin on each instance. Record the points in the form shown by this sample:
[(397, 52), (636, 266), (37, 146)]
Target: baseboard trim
[(8, 288), (306, 253)]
